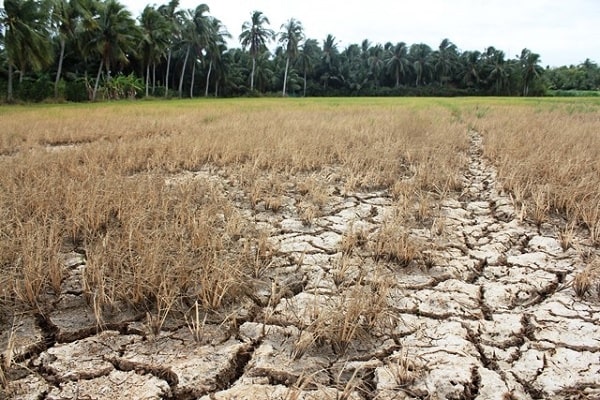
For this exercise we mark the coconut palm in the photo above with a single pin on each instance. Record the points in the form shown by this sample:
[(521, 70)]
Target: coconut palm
[(264, 72), (354, 67), (420, 55), (397, 61), (469, 73), (308, 53), (25, 37), (530, 68), (155, 39), (113, 39), (67, 16), (330, 50), (194, 38), (376, 62), (215, 47), (445, 60), (329, 57), (254, 37), (174, 18), (290, 36), (496, 69), (231, 71)]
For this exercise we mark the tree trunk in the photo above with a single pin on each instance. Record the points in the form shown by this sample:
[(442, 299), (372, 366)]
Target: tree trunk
[(187, 54), (97, 80), (9, 96), (252, 74), (153, 77), (216, 88), (167, 74), (287, 65), (193, 76), (208, 78), (60, 63), (304, 91), (147, 78), (397, 79)]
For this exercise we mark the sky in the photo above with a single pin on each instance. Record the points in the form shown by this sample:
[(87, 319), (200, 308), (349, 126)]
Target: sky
[(563, 32)]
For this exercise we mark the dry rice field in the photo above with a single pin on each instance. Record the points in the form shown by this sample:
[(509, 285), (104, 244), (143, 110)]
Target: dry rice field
[(301, 249)]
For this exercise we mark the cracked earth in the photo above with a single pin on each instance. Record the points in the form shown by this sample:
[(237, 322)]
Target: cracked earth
[(487, 312)]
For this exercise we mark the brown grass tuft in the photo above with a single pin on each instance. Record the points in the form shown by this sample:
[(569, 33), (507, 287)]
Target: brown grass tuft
[(159, 198), (548, 158)]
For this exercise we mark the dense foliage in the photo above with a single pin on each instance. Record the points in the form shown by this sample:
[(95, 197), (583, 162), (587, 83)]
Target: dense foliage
[(96, 49)]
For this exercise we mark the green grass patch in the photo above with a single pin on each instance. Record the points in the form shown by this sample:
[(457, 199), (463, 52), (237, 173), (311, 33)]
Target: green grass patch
[(458, 106)]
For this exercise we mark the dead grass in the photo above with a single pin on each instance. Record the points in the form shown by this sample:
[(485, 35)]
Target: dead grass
[(404, 369), (159, 196), (548, 158), (587, 281), (107, 190), (347, 317), (161, 199)]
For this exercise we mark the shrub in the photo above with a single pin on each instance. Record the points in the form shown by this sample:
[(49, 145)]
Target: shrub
[(31, 90), (123, 87), (76, 91)]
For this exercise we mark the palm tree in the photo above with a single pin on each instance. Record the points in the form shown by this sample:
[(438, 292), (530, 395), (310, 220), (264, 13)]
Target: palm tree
[(496, 68), (365, 45), (530, 68), (330, 50), (25, 38), (254, 37), (376, 63), (203, 29), (290, 37), (420, 54), (215, 47), (114, 37), (307, 55), (155, 39), (470, 68), (232, 71), (223, 67), (445, 60), (195, 33), (67, 15), (264, 72), (329, 56), (174, 18), (353, 69), (397, 61)]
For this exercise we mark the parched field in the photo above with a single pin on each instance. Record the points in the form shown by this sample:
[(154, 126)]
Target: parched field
[(301, 249)]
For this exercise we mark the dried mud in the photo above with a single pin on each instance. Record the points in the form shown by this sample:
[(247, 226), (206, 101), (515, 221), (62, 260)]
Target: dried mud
[(487, 311)]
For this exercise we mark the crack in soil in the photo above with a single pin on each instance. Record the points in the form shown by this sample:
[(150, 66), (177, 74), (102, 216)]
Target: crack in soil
[(465, 312), (163, 373), (49, 331)]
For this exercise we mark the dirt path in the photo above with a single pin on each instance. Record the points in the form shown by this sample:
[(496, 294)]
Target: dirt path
[(488, 314)]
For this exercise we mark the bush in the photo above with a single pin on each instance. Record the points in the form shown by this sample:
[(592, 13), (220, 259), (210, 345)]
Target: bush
[(573, 93), (159, 91), (123, 87), (31, 90), (76, 91), (3, 89), (61, 90)]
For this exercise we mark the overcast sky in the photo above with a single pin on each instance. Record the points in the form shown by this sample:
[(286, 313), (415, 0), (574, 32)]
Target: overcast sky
[(563, 32)]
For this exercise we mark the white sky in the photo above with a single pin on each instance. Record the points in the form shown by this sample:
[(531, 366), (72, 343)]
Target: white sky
[(563, 32)]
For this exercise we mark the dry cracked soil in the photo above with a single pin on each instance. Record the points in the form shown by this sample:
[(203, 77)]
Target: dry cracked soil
[(493, 315)]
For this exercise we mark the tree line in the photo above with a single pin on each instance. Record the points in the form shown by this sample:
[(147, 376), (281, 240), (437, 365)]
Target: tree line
[(92, 49)]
